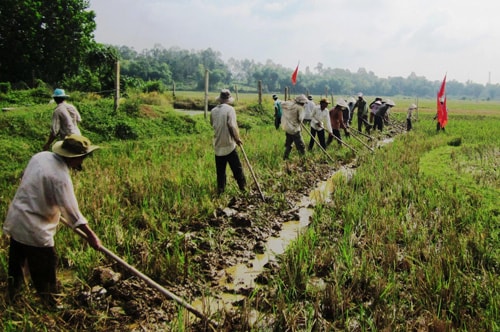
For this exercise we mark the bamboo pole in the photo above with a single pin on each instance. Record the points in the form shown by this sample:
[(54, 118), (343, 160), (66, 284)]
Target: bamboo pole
[(252, 172)]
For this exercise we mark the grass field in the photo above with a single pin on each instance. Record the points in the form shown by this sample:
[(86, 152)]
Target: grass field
[(409, 243)]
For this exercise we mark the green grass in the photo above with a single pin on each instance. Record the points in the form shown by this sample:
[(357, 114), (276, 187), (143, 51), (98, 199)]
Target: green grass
[(414, 235), (411, 242)]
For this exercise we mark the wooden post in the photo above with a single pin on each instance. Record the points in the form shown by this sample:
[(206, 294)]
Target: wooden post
[(326, 92), (173, 89), (206, 93), (117, 86), (259, 89), (286, 93), (236, 91)]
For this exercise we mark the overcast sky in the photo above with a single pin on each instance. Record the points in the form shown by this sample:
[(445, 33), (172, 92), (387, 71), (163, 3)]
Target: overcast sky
[(388, 37)]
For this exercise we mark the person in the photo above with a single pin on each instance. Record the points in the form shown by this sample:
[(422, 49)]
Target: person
[(350, 102), (293, 115), (381, 113), (373, 107), (409, 116), (277, 112), (44, 194), (337, 121), (309, 109), (226, 137), (373, 110), (319, 119), (346, 112), (438, 124), (362, 113), (65, 119)]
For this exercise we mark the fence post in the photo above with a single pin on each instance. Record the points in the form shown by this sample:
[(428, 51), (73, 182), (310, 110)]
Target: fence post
[(117, 86), (206, 93)]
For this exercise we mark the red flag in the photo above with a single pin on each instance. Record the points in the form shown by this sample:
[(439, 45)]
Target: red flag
[(442, 111), (294, 75)]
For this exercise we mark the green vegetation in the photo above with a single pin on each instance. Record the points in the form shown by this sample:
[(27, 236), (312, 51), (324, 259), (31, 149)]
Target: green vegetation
[(409, 243)]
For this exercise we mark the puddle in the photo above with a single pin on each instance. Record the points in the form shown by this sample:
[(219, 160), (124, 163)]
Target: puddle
[(242, 276)]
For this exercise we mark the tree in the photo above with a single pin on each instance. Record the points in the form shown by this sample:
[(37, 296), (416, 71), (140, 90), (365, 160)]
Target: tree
[(45, 40)]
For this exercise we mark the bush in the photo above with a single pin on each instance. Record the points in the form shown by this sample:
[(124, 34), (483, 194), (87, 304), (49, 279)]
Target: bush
[(5, 87)]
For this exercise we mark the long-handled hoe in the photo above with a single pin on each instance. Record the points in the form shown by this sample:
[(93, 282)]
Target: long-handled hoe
[(316, 141), (253, 174), (342, 142), (359, 140), (146, 279), (363, 134)]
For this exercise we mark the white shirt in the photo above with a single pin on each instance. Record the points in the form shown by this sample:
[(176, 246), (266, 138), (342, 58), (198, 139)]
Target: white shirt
[(65, 120), (45, 192), (309, 109), (223, 117), (321, 119)]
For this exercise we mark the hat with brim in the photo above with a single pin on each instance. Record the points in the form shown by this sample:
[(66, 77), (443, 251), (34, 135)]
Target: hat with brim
[(225, 96), (301, 99), (341, 102), (324, 101), (59, 93), (390, 102), (73, 146)]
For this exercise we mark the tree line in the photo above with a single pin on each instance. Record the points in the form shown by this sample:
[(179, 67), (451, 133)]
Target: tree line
[(52, 42)]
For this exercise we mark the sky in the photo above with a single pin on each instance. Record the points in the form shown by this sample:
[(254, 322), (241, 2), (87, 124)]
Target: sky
[(391, 38)]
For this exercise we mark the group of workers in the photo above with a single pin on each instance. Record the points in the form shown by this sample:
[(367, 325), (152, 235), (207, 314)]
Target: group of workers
[(294, 115)]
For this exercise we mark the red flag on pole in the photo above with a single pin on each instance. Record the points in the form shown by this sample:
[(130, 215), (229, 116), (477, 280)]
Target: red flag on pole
[(442, 111), (294, 75)]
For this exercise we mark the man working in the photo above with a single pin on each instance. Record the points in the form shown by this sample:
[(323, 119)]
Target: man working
[(320, 121), (45, 193), (277, 112), (65, 119), (362, 113), (337, 121), (293, 115), (226, 137)]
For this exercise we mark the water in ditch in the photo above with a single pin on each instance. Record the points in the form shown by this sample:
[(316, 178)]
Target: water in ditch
[(243, 276)]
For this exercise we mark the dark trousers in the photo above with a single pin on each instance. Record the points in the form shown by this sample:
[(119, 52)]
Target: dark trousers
[(408, 124), (379, 122), (336, 133), (363, 120), (438, 127), (42, 264), (234, 163), (294, 139), (321, 138)]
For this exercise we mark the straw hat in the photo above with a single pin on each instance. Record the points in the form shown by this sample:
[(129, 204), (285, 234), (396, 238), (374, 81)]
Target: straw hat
[(225, 96), (341, 102), (390, 102), (301, 99), (73, 146)]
